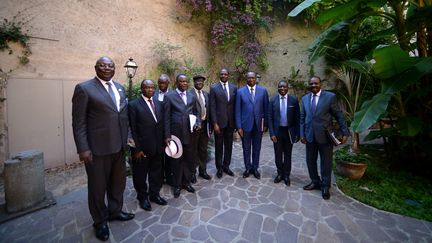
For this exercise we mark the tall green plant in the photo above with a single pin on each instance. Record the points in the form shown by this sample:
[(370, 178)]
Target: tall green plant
[(401, 63), (354, 77)]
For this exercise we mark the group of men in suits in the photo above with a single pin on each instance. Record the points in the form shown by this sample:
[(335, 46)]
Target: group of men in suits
[(101, 119)]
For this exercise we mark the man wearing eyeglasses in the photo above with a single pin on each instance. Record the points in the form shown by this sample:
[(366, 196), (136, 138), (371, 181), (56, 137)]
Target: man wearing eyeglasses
[(100, 128)]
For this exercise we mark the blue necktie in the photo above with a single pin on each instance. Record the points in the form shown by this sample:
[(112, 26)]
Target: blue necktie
[(252, 94), (283, 112), (313, 105)]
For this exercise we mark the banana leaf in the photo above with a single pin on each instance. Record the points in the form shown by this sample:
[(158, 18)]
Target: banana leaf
[(302, 6), (370, 111)]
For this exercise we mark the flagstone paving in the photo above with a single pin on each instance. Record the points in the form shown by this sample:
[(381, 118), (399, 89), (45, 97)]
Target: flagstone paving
[(231, 209)]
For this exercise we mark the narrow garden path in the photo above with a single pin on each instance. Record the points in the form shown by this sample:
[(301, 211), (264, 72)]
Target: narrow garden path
[(231, 209)]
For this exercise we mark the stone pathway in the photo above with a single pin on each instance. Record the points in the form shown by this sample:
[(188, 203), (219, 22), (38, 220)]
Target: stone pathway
[(231, 209)]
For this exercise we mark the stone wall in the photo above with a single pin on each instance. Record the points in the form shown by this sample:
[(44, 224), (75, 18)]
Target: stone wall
[(71, 35)]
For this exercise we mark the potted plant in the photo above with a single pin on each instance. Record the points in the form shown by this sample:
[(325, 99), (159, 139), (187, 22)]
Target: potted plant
[(349, 164)]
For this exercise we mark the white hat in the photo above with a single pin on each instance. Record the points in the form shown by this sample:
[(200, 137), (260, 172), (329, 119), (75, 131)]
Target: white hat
[(175, 148)]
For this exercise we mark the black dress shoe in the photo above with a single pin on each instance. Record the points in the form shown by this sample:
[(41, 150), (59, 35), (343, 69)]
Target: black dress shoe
[(325, 191), (145, 204), (246, 173), (176, 191), (219, 173), (228, 171), (278, 179), (102, 232), (158, 200), (122, 216), (204, 175), (256, 174), (189, 188), (312, 186), (287, 180), (193, 179)]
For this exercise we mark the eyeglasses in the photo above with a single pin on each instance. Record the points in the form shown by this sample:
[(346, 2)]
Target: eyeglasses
[(105, 65)]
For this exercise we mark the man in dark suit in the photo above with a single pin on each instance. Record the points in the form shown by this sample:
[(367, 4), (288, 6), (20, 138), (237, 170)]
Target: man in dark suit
[(284, 125), (201, 136), (100, 128), (222, 101), (316, 119), (178, 106), (251, 121), (159, 94), (146, 123)]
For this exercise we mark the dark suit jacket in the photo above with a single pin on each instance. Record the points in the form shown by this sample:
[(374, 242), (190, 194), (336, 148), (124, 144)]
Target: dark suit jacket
[(156, 94), (146, 132), (293, 117), (315, 125), (206, 129), (248, 111), (221, 110), (97, 125), (176, 115)]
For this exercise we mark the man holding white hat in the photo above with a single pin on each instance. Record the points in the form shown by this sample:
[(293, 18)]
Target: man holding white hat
[(181, 119)]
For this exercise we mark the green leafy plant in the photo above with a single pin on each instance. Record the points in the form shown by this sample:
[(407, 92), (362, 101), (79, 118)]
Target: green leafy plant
[(12, 31), (345, 154), (399, 52), (168, 56), (232, 27)]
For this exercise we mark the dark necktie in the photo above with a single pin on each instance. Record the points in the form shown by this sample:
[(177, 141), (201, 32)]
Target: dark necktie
[(111, 93), (283, 112), (313, 105), (152, 106), (226, 91), (252, 94)]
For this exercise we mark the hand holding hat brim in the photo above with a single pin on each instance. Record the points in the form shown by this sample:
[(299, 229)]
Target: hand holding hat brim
[(175, 148)]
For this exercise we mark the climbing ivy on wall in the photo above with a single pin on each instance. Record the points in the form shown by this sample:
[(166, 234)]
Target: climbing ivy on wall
[(12, 31), (232, 27)]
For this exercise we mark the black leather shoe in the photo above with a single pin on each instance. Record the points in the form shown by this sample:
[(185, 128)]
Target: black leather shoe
[(256, 174), (219, 173), (278, 179), (312, 186), (102, 232), (287, 180), (325, 191), (176, 191), (246, 173), (228, 171), (204, 175), (189, 188), (193, 179), (122, 216), (158, 200), (145, 204)]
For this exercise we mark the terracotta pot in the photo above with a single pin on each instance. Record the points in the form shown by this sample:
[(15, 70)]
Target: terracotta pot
[(350, 170)]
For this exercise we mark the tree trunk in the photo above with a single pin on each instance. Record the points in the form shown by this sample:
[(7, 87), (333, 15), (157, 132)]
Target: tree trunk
[(355, 147), (399, 8)]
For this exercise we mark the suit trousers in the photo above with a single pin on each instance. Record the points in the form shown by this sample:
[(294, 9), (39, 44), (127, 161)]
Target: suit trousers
[(201, 142), (325, 151), (106, 174), (251, 142), (223, 147), (149, 167), (283, 151), (181, 167)]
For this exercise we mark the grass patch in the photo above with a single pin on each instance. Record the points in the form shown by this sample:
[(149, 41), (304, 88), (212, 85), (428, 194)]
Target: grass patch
[(393, 191)]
